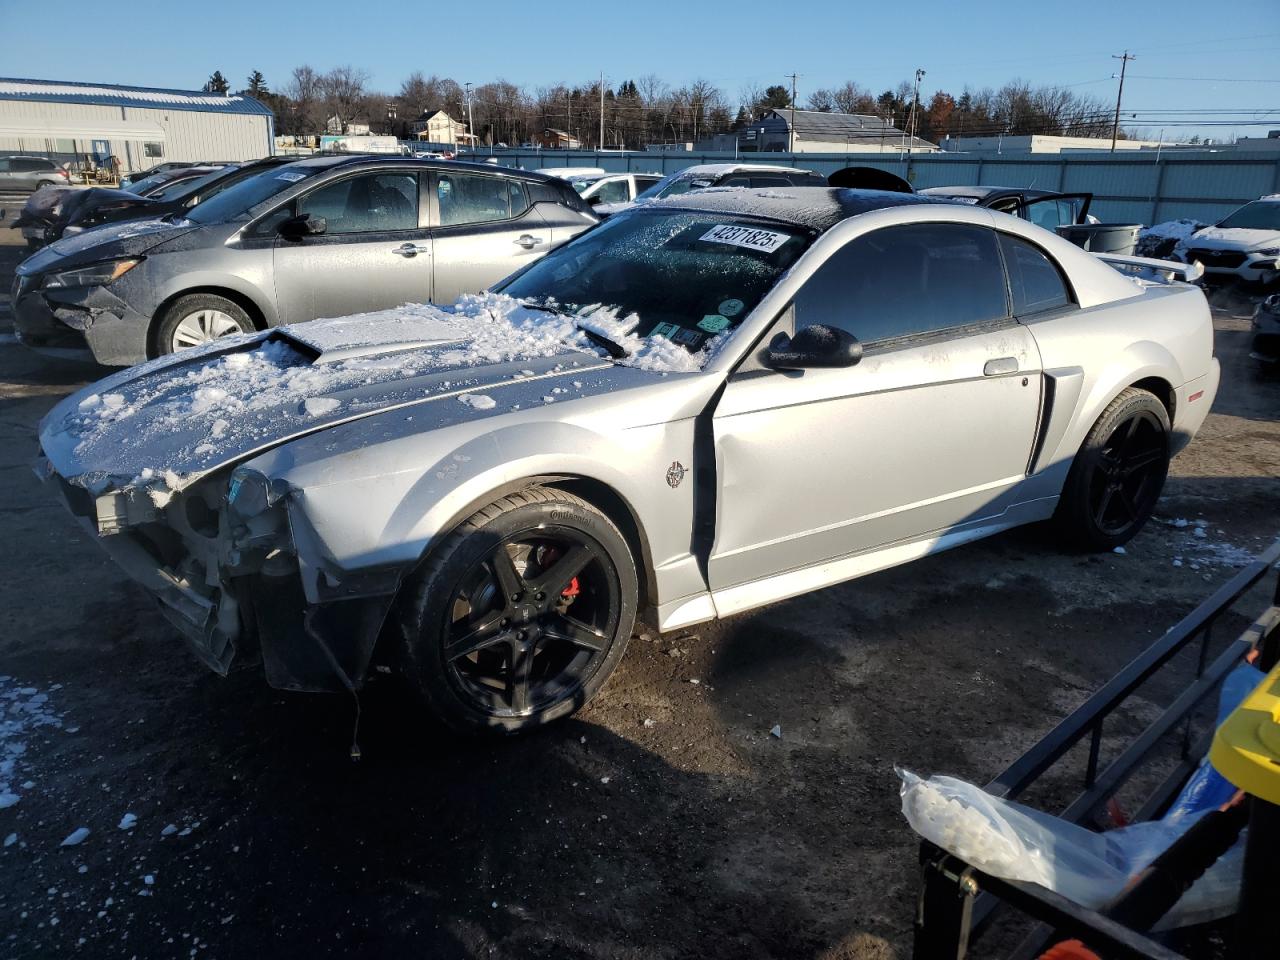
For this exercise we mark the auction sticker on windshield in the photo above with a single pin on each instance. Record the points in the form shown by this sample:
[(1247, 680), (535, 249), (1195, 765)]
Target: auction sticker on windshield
[(766, 241)]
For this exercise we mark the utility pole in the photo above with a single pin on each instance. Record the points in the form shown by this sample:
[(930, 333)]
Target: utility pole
[(471, 120), (791, 131), (1115, 127), (601, 110), (915, 106)]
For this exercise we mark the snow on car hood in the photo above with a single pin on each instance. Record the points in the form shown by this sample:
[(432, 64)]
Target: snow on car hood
[(1235, 238), (166, 423)]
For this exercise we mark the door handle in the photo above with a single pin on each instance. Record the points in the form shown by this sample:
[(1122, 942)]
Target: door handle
[(410, 250), (528, 241), (1000, 367)]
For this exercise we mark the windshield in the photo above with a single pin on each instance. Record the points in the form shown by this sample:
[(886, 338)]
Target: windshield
[(582, 184), (182, 188), (679, 275), (671, 186), (1259, 215), (140, 187), (239, 201)]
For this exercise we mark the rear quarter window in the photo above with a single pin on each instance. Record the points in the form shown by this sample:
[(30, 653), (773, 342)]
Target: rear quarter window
[(1035, 281)]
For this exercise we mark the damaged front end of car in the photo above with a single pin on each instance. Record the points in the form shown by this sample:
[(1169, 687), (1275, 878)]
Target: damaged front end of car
[(222, 560)]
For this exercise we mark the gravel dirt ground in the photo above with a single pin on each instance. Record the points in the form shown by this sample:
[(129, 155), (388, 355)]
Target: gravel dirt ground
[(663, 821)]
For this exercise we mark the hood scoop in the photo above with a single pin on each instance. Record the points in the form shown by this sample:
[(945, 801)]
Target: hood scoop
[(349, 338)]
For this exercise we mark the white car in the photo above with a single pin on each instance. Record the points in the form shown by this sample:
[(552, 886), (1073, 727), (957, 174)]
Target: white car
[(703, 175), (598, 189), (1245, 245)]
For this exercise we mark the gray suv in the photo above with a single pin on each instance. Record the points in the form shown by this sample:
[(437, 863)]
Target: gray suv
[(322, 237), (28, 174)]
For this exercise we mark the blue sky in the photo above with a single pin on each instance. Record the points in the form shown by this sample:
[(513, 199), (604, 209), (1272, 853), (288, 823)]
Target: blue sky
[(1203, 61)]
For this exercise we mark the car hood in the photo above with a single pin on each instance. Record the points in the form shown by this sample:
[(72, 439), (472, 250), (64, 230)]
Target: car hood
[(1224, 238), (105, 242), (165, 424)]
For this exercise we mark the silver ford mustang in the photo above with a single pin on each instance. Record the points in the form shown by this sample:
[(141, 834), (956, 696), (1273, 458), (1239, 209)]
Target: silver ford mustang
[(704, 405)]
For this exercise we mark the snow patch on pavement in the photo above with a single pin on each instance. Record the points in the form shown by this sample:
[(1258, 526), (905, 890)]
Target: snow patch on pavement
[(23, 709)]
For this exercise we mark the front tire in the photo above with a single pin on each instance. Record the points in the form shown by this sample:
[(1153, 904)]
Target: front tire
[(1116, 478), (196, 319), (520, 615)]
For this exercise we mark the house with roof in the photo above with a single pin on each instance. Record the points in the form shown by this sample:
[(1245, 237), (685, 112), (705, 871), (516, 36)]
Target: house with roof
[(554, 138), (436, 126), (141, 126), (817, 131)]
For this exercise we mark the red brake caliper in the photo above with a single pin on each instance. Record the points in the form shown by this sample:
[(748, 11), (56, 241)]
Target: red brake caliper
[(571, 591)]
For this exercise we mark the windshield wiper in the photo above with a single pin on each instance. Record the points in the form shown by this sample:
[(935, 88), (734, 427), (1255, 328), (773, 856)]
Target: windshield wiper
[(611, 347)]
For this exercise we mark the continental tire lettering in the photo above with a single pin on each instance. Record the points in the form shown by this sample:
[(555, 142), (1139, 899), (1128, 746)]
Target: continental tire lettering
[(562, 516)]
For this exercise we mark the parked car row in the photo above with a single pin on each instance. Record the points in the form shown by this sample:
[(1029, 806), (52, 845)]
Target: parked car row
[(193, 252), (285, 243)]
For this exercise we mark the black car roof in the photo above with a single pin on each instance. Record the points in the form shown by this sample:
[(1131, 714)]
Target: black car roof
[(351, 159), (984, 192), (817, 208)]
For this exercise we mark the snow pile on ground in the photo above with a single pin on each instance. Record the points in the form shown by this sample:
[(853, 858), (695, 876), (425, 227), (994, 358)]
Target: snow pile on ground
[(1198, 549), (22, 710), (1168, 240)]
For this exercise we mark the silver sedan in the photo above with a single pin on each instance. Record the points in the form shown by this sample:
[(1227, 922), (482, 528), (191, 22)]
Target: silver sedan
[(704, 405), (321, 237)]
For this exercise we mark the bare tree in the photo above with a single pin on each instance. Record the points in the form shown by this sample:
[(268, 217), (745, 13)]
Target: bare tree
[(344, 93), (306, 98)]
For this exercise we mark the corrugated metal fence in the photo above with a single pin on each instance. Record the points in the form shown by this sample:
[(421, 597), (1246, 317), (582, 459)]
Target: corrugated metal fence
[(1127, 188)]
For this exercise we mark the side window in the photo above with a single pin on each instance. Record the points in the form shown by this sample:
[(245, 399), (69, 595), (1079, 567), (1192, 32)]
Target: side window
[(734, 182), (1050, 214), (26, 165), (912, 279), (366, 203), (644, 183), (269, 225), (1034, 281), (4, 166), (613, 191), (468, 198)]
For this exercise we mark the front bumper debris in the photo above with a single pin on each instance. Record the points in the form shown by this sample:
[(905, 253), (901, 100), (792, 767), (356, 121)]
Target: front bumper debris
[(85, 323), (226, 592)]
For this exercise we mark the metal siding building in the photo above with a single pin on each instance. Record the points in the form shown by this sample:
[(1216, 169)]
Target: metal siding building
[(142, 126)]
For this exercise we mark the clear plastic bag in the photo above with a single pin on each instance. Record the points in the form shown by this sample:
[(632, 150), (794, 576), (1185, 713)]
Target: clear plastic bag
[(1015, 842)]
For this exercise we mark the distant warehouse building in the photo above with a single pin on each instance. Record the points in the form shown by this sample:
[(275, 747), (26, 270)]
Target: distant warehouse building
[(142, 126), (817, 131)]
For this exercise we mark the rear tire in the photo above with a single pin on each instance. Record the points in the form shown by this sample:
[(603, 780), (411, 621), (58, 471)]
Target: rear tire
[(1116, 477), (198, 318), (520, 615)]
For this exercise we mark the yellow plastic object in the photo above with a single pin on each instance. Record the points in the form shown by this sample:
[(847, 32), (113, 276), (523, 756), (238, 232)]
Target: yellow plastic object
[(1246, 748)]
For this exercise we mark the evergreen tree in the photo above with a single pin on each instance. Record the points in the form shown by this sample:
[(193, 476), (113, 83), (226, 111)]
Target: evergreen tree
[(257, 84), (217, 84)]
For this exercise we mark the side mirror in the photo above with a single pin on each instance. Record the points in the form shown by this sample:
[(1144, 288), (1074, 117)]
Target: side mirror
[(814, 347), (305, 225), (595, 200)]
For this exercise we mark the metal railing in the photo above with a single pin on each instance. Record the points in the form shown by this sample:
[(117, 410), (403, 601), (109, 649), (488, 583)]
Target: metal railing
[(958, 901)]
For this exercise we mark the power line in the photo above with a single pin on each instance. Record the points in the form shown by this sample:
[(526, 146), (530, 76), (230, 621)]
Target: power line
[(1207, 79)]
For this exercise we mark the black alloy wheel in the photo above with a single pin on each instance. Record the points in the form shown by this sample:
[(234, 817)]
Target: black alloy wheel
[(1117, 476), (521, 614), (531, 620), (1128, 474)]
